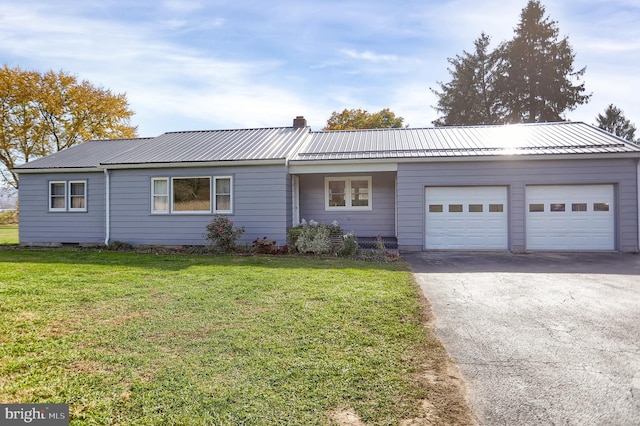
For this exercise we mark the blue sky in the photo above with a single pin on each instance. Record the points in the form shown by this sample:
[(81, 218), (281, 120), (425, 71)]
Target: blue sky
[(196, 64)]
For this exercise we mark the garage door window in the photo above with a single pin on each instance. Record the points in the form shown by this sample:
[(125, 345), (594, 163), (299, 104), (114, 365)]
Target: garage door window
[(496, 208), (579, 207), (600, 207), (475, 208), (435, 208), (455, 208), (557, 207), (536, 208)]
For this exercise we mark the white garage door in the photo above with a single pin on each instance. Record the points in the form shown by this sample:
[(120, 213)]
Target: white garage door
[(467, 218), (570, 217)]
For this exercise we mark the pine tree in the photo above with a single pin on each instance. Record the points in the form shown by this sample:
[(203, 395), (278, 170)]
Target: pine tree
[(469, 98), (614, 121), (537, 81)]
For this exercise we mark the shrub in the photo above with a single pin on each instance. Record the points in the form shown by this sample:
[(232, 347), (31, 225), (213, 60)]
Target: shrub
[(222, 235), (293, 234), (264, 246), (316, 238), (350, 245)]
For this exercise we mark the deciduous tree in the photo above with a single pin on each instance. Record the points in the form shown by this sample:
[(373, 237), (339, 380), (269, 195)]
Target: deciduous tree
[(41, 113), (351, 119), (614, 121)]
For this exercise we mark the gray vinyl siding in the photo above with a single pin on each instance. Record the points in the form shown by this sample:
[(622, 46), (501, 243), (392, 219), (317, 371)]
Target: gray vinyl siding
[(259, 204), (516, 174), (378, 221), (37, 225)]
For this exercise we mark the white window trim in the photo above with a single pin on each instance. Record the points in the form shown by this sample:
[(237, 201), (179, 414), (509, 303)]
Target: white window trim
[(84, 195), (214, 198), (191, 211), (154, 195), (62, 209), (347, 180)]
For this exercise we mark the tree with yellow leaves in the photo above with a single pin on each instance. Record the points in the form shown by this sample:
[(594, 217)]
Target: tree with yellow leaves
[(41, 113)]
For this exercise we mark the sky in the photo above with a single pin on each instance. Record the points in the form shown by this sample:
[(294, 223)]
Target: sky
[(200, 65)]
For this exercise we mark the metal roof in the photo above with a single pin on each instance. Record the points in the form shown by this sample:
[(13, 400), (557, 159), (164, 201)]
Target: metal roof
[(89, 154), (216, 145), (300, 144), (473, 141)]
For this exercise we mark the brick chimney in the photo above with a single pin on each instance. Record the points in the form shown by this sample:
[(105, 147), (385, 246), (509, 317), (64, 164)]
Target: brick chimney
[(299, 122)]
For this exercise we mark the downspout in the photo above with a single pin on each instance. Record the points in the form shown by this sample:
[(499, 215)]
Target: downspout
[(107, 214)]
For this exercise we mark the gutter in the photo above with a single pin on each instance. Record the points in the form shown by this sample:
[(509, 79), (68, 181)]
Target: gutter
[(193, 164), (107, 214)]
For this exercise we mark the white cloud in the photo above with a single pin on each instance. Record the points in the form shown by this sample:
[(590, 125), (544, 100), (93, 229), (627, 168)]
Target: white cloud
[(369, 56)]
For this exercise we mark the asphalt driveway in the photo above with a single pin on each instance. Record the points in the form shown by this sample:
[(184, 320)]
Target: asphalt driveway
[(543, 339)]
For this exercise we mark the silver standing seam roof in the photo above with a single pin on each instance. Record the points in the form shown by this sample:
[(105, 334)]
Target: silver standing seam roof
[(89, 154), (216, 145), (301, 144), (470, 141)]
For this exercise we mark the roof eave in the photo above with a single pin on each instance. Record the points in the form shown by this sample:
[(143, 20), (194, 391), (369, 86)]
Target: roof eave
[(194, 164), (93, 169), (453, 158)]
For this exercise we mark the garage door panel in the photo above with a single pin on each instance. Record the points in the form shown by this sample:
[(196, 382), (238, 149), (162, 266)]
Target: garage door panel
[(472, 218), (587, 222)]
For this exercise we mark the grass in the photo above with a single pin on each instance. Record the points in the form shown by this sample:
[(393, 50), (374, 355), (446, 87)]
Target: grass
[(142, 339), (8, 234)]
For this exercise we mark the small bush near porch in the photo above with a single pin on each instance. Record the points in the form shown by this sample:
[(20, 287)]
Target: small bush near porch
[(129, 338)]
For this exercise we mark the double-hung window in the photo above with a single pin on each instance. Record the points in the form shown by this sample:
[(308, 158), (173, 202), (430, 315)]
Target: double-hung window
[(160, 195), (348, 193), (68, 196), (58, 196), (77, 196), (222, 196)]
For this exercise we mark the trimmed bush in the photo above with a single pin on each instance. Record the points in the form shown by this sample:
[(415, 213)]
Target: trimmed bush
[(316, 238)]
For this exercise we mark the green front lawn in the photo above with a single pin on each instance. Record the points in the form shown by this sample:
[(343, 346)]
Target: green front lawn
[(8, 234), (145, 339)]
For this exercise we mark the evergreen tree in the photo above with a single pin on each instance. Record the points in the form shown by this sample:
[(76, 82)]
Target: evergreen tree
[(614, 121), (537, 81), (469, 98), (528, 79)]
